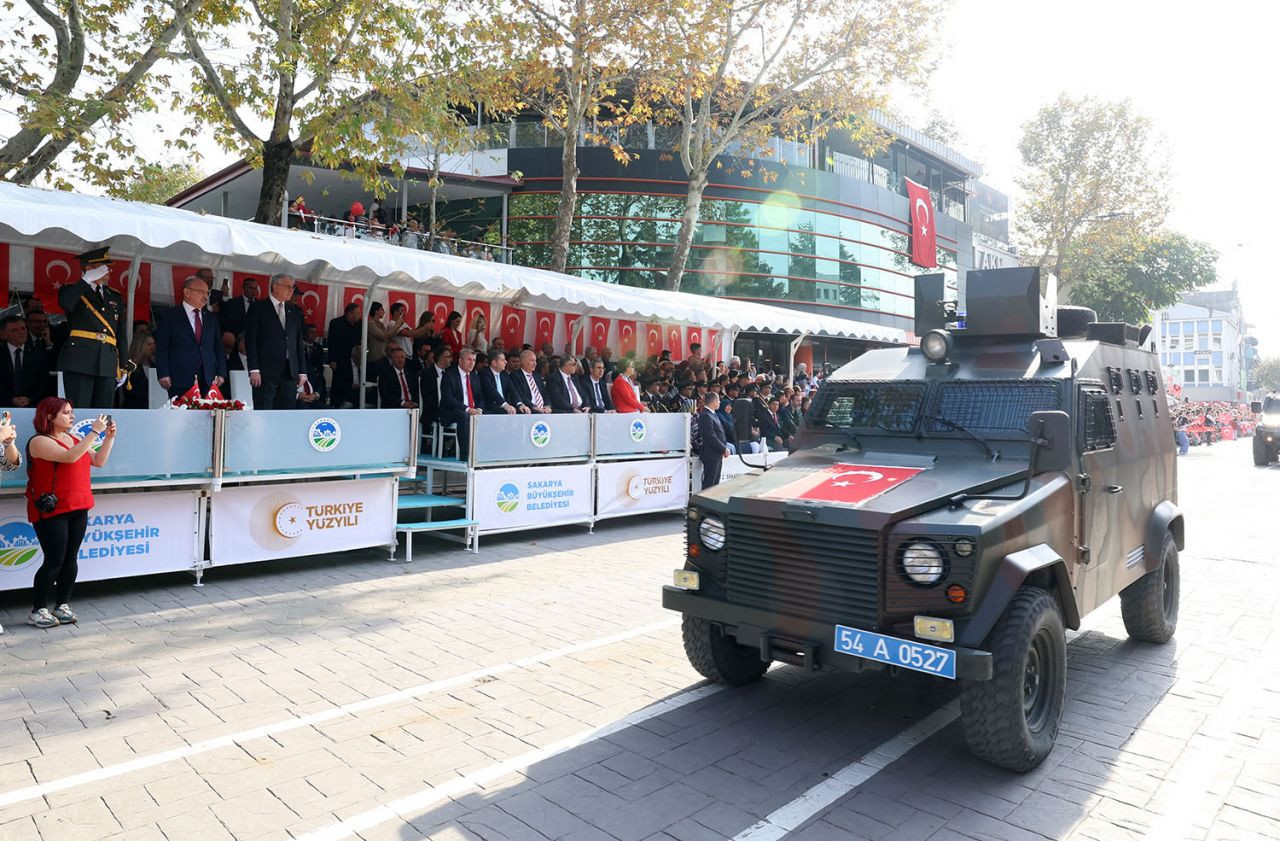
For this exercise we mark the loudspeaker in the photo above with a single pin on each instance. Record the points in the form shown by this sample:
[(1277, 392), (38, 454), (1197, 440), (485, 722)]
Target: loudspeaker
[(1004, 302)]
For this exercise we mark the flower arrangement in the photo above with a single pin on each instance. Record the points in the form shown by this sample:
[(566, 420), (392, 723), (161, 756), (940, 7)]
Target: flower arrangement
[(193, 399)]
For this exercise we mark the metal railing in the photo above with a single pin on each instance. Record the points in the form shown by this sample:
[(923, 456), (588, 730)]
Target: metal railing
[(398, 235)]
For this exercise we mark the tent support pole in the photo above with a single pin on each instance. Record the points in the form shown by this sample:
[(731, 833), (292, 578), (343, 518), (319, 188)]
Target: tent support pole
[(364, 336), (733, 343), (404, 200), (795, 346), (131, 290)]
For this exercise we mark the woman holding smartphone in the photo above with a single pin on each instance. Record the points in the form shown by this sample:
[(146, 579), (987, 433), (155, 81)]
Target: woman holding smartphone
[(58, 502), (10, 458)]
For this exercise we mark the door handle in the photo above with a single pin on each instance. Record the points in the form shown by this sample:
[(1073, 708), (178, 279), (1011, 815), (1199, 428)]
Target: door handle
[(1114, 489)]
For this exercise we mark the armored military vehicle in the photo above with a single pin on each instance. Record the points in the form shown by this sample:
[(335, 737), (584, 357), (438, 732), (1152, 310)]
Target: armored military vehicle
[(1266, 437), (951, 508)]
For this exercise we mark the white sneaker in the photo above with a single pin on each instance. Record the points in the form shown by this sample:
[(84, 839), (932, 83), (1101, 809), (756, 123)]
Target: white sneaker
[(64, 615), (42, 618)]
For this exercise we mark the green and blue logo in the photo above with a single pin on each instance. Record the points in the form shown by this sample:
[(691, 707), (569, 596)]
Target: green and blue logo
[(18, 545), (324, 434), (84, 429), (638, 430), (540, 434), (508, 498)]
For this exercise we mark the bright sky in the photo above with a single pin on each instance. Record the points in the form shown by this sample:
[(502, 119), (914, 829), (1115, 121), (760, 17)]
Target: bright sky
[(1204, 73)]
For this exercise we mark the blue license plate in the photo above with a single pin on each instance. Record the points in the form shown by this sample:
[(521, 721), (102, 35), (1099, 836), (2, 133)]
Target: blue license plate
[(930, 659)]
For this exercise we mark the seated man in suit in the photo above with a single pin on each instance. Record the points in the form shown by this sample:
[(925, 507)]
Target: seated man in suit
[(562, 388), (24, 371), (460, 398), (189, 343), (432, 379), (596, 388), (398, 383), (499, 393), (531, 389)]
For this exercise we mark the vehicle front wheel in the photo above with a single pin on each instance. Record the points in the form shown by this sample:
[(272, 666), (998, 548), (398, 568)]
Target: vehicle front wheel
[(1150, 604), (1261, 452), (719, 657), (1012, 720)]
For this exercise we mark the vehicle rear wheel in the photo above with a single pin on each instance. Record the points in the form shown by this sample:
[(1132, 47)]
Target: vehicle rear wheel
[(1261, 452), (1150, 604), (718, 657), (1012, 720)]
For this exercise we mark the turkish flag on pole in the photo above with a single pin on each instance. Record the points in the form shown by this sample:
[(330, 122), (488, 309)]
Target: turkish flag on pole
[(626, 337), (924, 239), (315, 303), (440, 307), (653, 340), (192, 393), (851, 484), (571, 321), (352, 295), (675, 341), (214, 393), (544, 329), (599, 332), (512, 328)]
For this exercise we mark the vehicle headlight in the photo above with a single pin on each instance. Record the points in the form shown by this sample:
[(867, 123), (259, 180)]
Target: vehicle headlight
[(711, 533), (923, 563), (964, 547)]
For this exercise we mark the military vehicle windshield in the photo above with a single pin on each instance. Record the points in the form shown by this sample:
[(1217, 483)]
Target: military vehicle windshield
[(986, 408)]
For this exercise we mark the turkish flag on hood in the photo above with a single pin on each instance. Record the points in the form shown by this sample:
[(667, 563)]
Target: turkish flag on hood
[(851, 484), (924, 237)]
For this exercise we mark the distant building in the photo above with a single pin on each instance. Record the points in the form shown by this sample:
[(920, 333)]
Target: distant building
[(1204, 346)]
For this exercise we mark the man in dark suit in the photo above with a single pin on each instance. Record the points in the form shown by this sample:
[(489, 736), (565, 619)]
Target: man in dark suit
[(24, 371), (715, 447), (531, 391), (189, 343), (771, 425), (460, 398), (343, 335), (432, 379), (273, 343), (92, 358), (233, 315), (398, 383), (595, 388), (499, 393), (562, 388)]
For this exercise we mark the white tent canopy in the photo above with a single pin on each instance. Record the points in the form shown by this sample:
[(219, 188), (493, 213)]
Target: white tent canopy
[(75, 222)]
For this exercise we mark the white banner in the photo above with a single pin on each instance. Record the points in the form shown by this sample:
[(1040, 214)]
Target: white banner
[(260, 522), (532, 496), (630, 487), (128, 534)]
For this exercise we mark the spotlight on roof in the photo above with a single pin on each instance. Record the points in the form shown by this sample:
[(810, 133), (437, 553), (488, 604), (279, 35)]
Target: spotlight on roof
[(936, 345)]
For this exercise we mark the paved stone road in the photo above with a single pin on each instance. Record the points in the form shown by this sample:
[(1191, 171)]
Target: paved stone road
[(539, 691)]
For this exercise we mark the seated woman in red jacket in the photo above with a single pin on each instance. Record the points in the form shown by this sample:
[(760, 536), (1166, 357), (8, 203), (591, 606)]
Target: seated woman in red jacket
[(623, 391)]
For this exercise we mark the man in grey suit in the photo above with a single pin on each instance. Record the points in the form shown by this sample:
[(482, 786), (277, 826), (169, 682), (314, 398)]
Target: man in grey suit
[(273, 343)]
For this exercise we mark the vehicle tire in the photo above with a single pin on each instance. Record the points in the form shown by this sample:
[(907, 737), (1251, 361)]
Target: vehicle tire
[(1074, 321), (1150, 604), (718, 657), (1261, 452), (1012, 720)]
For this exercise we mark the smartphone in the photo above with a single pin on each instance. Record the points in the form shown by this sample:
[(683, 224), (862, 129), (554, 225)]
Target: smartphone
[(108, 419), (6, 419)]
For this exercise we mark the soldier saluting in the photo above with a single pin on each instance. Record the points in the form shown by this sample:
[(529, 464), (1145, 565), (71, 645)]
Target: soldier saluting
[(90, 359)]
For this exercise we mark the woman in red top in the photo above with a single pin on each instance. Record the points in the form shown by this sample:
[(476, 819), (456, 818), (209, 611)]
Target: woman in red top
[(59, 464), (451, 335), (623, 391)]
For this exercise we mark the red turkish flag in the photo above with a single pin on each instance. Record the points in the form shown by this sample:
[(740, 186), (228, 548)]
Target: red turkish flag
[(237, 284), (570, 321), (315, 303), (4, 274), (215, 393), (851, 484), (626, 337), (653, 340), (599, 332), (352, 295), (192, 393), (694, 334), (675, 341), (55, 269), (411, 306), (440, 306), (712, 348), (544, 329), (924, 237), (119, 281), (475, 308), (512, 328)]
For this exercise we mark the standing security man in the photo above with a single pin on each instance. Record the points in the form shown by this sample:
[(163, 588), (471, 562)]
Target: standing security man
[(91, 359), (715, 447)]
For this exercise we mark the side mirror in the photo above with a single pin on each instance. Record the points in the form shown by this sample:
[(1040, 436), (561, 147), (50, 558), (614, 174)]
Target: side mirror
[(742, 414), (1050, 434), (1256, 407)]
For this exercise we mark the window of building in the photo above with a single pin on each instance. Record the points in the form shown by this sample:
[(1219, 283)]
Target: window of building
[(1202, 342), (1175, 342), (1202, 327), (1175, 327), (1217, 341), (1217, 376), (1202, 375), (1217, 325)]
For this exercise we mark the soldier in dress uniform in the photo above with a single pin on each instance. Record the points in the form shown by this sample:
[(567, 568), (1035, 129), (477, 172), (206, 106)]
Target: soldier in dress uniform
[(90, 360)]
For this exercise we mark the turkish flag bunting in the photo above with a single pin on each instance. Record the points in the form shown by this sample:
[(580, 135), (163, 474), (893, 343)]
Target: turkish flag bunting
[(544, 329), (352, 295), (214, 393), (695, 337), (410, 303), (626, 337), (599, 332), (712, 347), (512, 328), (924, 237), (477, 308), (851, 484), (119, 281), (675, 341), (570, 321), (315, 303), (55, 269), (653, 340), (440, 307)]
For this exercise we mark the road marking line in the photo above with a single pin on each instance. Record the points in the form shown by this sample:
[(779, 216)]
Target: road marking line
[(412, 692), (791, 815), (405, 808)]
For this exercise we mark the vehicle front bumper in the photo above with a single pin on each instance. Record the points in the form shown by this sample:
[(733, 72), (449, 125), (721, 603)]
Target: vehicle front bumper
[(800, 642)]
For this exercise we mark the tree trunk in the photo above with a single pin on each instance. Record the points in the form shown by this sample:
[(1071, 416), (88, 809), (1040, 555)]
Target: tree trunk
[(688, 226), (276, 159), (568, 199)]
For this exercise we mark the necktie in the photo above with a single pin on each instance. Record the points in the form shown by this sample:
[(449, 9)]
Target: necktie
[(599, 399), (497, 381), (17, 371), (575, 400), (471, 403), (280, 313), (198, 323), (404, 387), (533, 389)]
